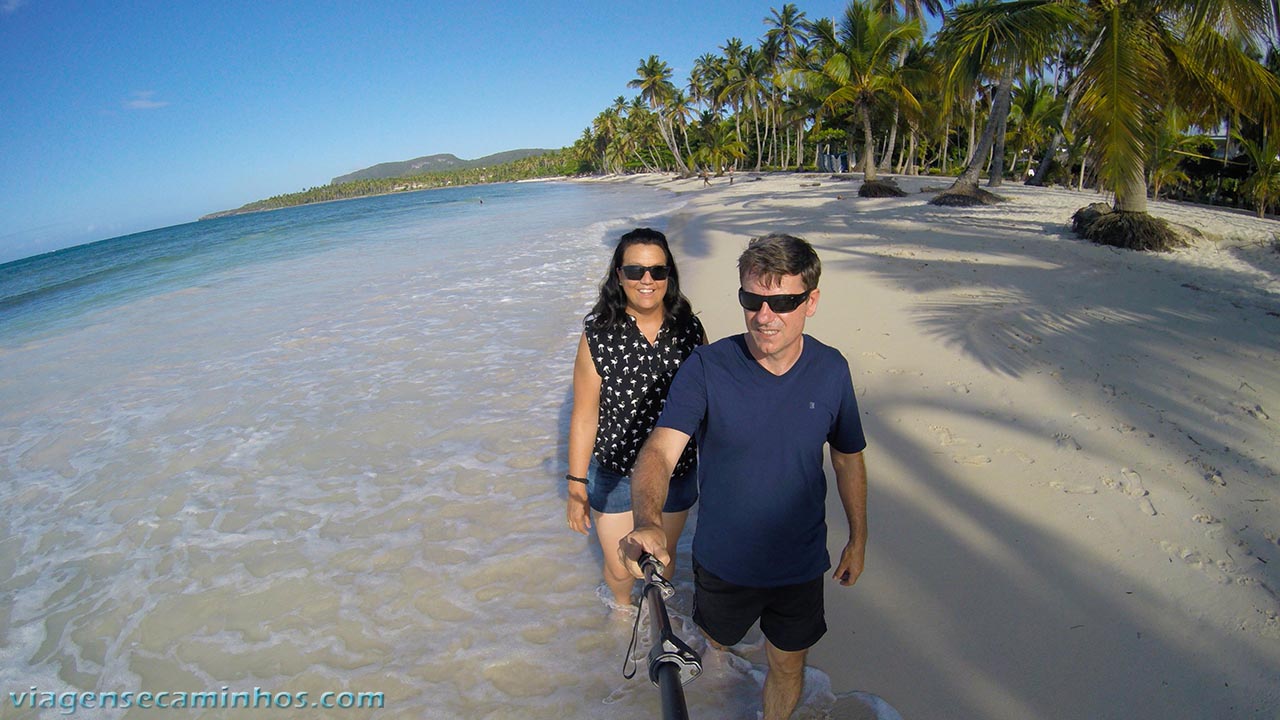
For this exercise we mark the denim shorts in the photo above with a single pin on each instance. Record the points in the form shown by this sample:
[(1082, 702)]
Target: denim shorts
[(609, 492)]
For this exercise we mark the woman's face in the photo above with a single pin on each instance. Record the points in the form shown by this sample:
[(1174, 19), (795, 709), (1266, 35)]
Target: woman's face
[(645, 294)]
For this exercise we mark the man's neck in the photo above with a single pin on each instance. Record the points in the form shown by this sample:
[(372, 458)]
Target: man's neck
[(776, 365)]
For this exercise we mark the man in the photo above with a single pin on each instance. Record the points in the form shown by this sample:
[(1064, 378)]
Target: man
[(762, 405)]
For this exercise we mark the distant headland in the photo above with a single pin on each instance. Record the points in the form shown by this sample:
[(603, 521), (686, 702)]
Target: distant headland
[(423, 173)]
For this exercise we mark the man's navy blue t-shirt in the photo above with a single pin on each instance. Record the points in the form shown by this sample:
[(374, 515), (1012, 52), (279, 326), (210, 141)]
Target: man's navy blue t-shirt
[(762, 490)]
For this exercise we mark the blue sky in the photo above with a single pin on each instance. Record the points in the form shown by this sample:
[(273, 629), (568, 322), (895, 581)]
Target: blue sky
[(117, 117)]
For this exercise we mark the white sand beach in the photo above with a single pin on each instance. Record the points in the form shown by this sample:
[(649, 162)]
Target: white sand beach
[(1074, 450)]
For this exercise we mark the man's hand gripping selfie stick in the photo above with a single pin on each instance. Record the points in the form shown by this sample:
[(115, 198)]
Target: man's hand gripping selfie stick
[(672, 663)]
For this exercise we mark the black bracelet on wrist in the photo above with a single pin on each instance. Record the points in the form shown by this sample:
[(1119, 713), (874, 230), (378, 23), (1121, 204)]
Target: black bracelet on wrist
[(574, 478)]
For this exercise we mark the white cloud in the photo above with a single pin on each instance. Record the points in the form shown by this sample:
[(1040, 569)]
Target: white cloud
[(144, 100), (11, 6)]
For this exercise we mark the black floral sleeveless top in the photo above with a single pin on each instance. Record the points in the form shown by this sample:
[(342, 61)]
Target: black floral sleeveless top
[(634, 379)]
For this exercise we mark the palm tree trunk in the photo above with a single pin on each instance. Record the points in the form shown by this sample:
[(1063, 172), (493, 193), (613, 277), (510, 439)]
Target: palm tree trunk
[(973, 131), (911, 153), (887, 158), (1000, 109), (1084, 157), (669, 137), (869, 147), (1050, 156), (1131, 196), (946, 147), (968, 180)]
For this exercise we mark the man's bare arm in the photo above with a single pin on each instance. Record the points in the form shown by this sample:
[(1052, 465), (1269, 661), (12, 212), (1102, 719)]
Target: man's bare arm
[(851, 481), (650, 480)]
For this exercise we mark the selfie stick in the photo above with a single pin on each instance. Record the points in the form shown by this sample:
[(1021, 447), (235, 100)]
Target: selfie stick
[(672, 663)]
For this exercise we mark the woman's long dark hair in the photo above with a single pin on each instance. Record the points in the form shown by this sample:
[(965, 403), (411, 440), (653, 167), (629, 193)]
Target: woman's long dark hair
[(611, 307)]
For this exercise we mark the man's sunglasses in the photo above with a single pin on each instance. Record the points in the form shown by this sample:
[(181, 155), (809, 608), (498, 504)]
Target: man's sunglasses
[(778, 303), (636, 272)]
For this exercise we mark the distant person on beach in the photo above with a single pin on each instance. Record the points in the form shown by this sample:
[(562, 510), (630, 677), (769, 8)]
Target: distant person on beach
[(761, 406), (633, 341)]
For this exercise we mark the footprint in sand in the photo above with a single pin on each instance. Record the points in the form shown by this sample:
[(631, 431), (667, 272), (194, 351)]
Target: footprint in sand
[(945, 437), (1018, 454), (1221, 572), (1066, 442), (1074, 489), (1212, 475), (1257, 412), (1130, 483), (1085, 421), (959, 388)]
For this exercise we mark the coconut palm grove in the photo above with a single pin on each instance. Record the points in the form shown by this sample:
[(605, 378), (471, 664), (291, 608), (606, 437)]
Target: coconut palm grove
[(1137, 99), (1174, 99)]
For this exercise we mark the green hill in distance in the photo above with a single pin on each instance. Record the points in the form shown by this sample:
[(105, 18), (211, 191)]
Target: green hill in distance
[(434, 163), (424, 173)]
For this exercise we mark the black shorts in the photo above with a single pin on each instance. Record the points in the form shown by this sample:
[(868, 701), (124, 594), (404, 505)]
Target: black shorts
[(791, 616)]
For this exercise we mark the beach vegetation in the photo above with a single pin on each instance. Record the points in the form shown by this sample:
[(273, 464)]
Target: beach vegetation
[(1110, 95), (664, 101), (987, 39), (860, 67), (1174, 142), (719, 146), (1142, 61), (1263, 184), (555, 163), (1034, 113)]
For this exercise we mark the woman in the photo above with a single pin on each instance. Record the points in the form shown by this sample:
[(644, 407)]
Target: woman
[(633, 340)]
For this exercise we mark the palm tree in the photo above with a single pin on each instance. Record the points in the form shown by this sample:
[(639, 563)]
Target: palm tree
[(788, 32), (787, 28), (1065, 65), (912, 10), (860, 70), (983, 34), (719, 146), (1033, 115), (706, 80), (654, 83), (920, 66), (750, 85), (679, 112), (730, 70), (1172, 144), (1141, 57), (1263, 185), (1146, 55)]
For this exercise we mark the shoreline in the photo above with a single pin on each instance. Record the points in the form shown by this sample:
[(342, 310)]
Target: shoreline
[(1074, 504)]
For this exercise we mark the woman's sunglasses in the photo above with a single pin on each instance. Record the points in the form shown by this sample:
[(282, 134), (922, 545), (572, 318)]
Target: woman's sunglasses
[(636, 272), (778, 303)]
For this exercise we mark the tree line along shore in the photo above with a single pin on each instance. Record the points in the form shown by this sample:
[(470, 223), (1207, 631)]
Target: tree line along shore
[(1139, 99)]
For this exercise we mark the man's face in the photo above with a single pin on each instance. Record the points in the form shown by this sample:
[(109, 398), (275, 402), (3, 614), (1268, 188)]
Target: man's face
[(773, 335)]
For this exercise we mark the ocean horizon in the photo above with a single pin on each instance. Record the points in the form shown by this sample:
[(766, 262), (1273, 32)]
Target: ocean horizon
[(317, 450)]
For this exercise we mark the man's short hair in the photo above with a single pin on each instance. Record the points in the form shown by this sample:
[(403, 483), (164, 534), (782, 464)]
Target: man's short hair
[(777, 254)]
